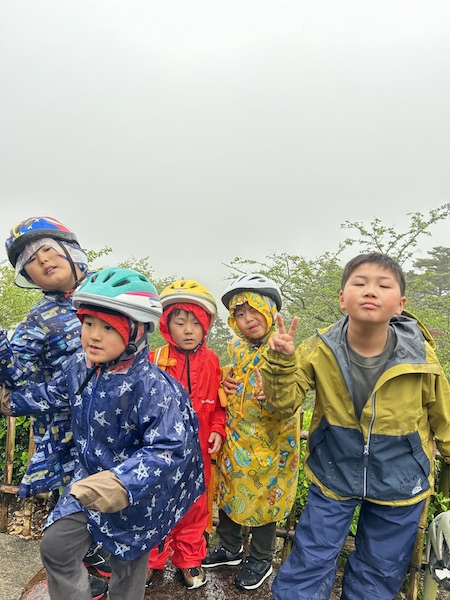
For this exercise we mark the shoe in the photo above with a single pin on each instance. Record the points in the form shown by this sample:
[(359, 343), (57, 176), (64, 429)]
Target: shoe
[(149, 580), (219, 555), (252, 573), (98, 558), (99, 587), (194, 577)]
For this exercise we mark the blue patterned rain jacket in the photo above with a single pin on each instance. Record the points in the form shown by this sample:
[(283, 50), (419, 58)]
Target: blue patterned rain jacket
[(138, 422), (38, 347)]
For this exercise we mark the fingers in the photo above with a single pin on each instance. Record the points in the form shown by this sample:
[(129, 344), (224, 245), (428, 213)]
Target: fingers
[(258, 378), (282, 328), (293, 327)]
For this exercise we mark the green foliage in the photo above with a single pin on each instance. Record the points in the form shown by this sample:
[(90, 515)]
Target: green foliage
[(15, 302), (20, 448)]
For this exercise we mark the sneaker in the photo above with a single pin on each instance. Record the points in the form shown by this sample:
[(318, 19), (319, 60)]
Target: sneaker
[(194, 577), (99, 587), (219, 555), (149, 580), (252, 573), (98, 558)]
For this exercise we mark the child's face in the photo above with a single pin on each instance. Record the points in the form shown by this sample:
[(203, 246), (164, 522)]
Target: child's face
[(185, 330), (49, 270), (250, 321), (101, 342), (372, 294)]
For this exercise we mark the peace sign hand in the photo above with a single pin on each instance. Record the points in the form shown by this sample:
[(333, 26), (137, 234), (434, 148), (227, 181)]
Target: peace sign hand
[(283, 342)]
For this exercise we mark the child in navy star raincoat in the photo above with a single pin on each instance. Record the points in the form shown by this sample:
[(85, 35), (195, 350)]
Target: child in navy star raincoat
[(138, 467)]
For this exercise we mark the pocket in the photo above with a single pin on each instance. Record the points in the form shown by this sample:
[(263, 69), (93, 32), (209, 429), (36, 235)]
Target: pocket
[(398, 467), (336, 458)]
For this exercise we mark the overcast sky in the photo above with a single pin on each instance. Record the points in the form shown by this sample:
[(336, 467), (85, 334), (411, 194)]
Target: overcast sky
[(194, 131)]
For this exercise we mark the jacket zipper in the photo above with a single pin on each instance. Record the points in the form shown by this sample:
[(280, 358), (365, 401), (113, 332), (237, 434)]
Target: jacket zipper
[(88, 418), (366, 451)]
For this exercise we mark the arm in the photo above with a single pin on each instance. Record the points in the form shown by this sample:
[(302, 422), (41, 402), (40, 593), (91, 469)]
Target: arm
[(169, 443), (19, 355), (34, 399), (281, 384), (439, 413)]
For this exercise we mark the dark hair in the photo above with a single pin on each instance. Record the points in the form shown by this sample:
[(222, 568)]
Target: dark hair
[(382, 260)]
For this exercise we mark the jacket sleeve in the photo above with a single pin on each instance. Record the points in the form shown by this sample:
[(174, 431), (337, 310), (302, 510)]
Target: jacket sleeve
[(19, 355), (170, 439), (285, 379), (219, 414), (439, 413), (34, 399)]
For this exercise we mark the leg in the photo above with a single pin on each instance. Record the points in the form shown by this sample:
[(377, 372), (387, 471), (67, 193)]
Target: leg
[(229, 532), (188, 541), (258, 565), (262, 545), (383, 547), (229, 551), (63, 546), (128, 578), (308, 572)]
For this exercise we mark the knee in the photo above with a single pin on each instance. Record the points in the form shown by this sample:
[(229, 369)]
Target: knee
[(49, 549)]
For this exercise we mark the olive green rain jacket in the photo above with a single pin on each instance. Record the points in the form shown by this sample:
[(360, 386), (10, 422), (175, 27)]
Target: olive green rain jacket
[(386, 456)]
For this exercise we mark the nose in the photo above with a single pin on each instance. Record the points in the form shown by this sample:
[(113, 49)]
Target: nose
[(41, 257), (95, 332), (369, 290)]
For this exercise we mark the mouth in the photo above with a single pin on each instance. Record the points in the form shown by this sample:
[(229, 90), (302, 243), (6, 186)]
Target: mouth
[(369, 305), (49, 270), (94, 349)]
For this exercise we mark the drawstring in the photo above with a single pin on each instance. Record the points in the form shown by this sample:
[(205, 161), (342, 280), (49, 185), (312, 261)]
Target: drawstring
[(187, 363), (89, 376), (244, 384)]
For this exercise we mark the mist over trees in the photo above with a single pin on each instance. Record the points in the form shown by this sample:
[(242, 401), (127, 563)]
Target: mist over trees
[(310, 288)]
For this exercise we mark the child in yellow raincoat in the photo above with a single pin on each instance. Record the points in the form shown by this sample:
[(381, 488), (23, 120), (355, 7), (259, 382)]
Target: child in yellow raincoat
[(260, 456)]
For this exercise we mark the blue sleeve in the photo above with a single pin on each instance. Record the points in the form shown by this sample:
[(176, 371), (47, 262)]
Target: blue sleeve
[(34, 399)]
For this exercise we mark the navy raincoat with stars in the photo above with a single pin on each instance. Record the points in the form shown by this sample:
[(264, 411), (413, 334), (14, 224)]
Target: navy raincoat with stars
[(138, 422)]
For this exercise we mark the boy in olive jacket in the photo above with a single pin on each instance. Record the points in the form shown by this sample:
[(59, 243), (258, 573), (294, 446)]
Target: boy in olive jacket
[(382, 399)]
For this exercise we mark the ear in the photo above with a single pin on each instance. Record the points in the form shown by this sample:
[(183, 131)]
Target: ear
[(341, 300), (401, 306)]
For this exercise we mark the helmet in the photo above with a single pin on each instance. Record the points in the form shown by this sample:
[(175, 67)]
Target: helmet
[(32, 229), (123, 290), (438, 552), (188, 290), (255, 282)]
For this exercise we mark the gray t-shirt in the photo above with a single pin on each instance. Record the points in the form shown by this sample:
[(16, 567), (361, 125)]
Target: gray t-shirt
[(366, 370)]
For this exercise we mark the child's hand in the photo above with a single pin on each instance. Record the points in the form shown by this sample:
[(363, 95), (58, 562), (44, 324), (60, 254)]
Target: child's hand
[(215, 441), (283, 342), (230, 384), (258, 391)]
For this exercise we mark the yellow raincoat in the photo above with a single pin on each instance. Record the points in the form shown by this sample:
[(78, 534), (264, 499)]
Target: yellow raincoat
[(259, 459)]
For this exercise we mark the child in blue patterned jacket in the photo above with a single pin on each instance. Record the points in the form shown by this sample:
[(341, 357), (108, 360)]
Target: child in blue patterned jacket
[(47, 256), (138, 465)]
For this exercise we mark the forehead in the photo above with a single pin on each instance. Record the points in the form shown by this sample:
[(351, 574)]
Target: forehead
[(372, 271)]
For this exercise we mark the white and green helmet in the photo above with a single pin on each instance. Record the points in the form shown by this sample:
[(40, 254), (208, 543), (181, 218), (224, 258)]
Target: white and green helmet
[(125, 291)]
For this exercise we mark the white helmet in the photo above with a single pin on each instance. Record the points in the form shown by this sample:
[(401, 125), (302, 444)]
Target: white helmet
[(255, 282), (438, 552)]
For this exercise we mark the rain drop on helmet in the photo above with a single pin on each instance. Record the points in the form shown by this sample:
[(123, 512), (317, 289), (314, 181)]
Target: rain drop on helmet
[(254, 282), (123, 290)]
